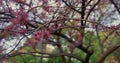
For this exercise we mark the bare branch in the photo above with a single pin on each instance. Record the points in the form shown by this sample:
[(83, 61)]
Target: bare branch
[(108, 52), (115, 5)]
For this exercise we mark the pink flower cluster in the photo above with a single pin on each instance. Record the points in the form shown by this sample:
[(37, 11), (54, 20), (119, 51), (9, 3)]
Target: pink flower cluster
[(113, 27), (20, 20), (0, 2), (23, 31), (17, 1), (41, 34)]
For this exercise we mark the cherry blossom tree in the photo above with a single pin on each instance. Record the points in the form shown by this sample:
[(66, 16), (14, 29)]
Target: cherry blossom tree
[(59, 23)]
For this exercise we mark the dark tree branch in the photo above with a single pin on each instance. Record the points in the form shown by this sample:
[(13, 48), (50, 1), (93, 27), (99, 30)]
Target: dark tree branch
[(89, 2), (115, 5), (60, 48), (106, 53), (50, 55), (71, 6), (85, 49), (83, 13), (92, 9)]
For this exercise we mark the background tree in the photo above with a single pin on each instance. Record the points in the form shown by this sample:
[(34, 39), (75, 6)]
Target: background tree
[(62, 23)]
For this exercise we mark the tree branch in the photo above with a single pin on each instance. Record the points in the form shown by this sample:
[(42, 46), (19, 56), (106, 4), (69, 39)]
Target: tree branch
[(70, 6), (115, 6), (50, 55), (106, 53), (92, 8)]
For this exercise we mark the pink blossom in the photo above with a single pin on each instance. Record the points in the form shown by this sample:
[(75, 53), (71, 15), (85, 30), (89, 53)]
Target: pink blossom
[(44, 2), (21, 18), (114, 27), (23, 31), (22, 15), (10, 27), (41, 34), (46, 34), (48, 8), (0, 2), (37, 36), (21, 1), (16, 0), (15, 21)]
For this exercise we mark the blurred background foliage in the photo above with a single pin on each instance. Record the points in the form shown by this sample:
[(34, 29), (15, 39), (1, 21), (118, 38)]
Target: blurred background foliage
[(93, 42)]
